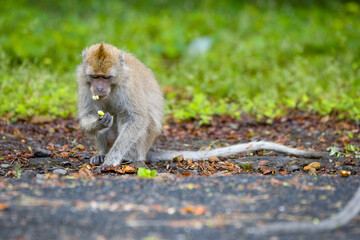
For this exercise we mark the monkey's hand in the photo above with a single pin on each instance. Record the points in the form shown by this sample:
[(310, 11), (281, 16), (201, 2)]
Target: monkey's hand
[(106, 120)]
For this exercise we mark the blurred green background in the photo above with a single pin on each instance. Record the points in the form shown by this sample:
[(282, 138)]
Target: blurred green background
[(211, 57)]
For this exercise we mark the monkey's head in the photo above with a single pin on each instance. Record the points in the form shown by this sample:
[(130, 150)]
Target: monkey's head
[(101, 64)]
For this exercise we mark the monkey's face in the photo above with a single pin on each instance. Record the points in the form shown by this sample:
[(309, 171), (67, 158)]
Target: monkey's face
[(100, 85), (101, 64)]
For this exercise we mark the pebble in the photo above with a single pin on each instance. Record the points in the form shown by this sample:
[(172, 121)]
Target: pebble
[(347, 168), (5, 165), (86, 155), (293, 168), (60, 172), (65, 164), (28, 174), (40, 176), (38, 152)]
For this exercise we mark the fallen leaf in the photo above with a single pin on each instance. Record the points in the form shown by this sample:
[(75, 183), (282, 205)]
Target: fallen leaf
[(312, 171), (17, 132), (349, 161), (185, 174), (86, 173), (178, 158), (4, 206), (196, 210), (213, 159), (79, 147), (130, 169), (200, 210), (264, 163), (315, 165), (37, 119), (345, 173), (117, 169)]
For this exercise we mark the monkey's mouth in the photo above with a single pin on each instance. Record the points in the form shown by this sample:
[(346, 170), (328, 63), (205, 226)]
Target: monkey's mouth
[(98, 97), (102, 97)]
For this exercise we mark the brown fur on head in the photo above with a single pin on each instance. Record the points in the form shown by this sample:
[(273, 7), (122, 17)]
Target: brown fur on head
[(101, 63), (101, 58)]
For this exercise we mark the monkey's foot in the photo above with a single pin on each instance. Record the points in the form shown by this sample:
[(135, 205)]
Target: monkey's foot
[(97, 160)]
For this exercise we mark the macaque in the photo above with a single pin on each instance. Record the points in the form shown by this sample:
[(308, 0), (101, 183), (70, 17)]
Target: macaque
[(131, 99), (115, 82)]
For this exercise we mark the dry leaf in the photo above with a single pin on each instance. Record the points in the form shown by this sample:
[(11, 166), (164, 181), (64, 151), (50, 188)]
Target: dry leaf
[(79, 147), (196, 210), (345, 173), (264, 163), (179, 158), (213, 159), (86, 173), (4, 206), (130, 169), (40, 119)]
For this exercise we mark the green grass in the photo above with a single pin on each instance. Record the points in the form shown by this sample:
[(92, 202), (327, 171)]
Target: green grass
[(265, 58)]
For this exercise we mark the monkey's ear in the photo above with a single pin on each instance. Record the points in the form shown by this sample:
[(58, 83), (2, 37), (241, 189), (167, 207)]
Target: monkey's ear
[(83, 54)]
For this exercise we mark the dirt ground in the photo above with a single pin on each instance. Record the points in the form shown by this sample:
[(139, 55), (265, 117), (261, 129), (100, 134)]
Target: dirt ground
[(67, 148)]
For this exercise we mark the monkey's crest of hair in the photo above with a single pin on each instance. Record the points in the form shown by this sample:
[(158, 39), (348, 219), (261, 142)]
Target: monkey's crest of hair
[(101, 58)]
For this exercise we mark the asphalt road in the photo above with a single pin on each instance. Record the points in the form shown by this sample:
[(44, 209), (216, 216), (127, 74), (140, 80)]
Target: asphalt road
[(169, 207)]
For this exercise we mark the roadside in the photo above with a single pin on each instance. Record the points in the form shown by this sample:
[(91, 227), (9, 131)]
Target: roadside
[(170, 208), (217, 199)]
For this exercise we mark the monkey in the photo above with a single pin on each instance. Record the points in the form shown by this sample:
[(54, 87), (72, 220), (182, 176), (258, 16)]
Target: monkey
[(133, 102), (131, 98)]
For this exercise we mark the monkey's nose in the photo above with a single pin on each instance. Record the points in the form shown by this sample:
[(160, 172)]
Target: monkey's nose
[(100, 89)]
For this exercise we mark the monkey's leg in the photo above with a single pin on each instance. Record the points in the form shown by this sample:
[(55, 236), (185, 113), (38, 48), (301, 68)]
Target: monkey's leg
[(103, 141), (137, 154)]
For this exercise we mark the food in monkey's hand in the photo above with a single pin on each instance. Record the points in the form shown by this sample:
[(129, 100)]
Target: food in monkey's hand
[(101, 113), (95, 97)]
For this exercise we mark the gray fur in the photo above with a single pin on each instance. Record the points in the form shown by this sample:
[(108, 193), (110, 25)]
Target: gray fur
[(136, 104)]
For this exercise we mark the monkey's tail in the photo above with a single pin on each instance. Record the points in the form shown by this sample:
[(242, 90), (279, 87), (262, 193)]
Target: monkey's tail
[(168, 155)]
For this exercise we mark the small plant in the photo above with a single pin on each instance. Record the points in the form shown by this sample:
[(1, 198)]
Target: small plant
[(246, 166), (146, 173), (350, 151), (17, 170)]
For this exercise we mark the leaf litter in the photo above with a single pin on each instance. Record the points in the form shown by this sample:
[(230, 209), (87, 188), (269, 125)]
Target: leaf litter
[(71, 149)]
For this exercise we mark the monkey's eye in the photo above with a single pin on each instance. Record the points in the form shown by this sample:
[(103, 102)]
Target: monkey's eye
[(94, 76), (107, 77)]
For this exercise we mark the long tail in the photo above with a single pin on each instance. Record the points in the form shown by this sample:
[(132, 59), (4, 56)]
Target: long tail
[(167, 155)]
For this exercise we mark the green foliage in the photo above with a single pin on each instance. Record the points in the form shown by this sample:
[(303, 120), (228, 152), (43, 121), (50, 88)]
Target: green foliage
[(265, 58), (17, 170), (350, 151), (146, 173)]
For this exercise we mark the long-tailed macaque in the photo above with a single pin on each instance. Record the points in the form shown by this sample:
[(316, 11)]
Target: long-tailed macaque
[(117, 83)]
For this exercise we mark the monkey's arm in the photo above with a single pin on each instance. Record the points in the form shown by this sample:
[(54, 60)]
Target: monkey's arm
[(93, 123), (90, 121), (155, 156)]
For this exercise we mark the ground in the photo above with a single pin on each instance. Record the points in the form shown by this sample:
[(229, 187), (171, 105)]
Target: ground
[(69, 148), (61, 197)]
